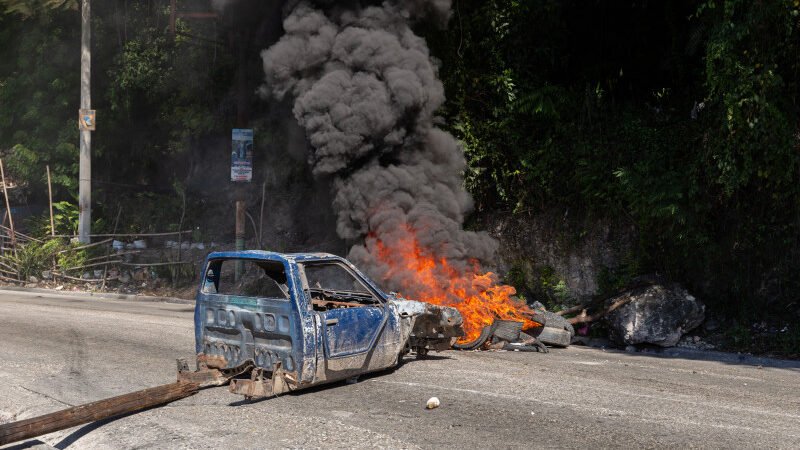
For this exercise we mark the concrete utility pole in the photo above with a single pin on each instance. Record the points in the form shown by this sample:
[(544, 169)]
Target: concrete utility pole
[(85, 172)]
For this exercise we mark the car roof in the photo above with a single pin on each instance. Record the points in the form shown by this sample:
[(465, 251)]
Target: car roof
[(274, 256), (290, 258)]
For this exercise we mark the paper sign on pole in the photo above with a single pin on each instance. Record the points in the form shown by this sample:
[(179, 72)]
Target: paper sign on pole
[(242, 154), (86, 119)]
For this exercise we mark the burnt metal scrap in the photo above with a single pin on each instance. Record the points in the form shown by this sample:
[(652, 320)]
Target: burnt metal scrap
[(506, 335), (427, 326)]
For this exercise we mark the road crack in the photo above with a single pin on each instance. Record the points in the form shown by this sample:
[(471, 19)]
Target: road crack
[(45, 395)]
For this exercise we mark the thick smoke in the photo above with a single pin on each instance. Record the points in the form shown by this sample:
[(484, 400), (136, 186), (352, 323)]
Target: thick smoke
[(220, 5), (365, 90)]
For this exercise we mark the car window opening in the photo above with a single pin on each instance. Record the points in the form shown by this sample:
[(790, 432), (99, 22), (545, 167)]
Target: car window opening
[(258, 279), (331, 286)]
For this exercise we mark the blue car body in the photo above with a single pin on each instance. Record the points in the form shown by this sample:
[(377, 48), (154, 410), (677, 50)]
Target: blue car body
[(303, 332)]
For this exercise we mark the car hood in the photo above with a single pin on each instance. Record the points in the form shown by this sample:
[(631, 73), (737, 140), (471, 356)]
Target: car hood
[(430, 321)]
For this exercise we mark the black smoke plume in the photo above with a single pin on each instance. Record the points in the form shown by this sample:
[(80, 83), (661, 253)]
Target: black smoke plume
[(366, 90)]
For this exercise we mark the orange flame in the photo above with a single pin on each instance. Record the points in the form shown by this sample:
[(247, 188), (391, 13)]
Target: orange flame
[(479, 297)]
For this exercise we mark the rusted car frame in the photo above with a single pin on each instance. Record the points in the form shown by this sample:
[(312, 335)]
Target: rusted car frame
[(298, 320)]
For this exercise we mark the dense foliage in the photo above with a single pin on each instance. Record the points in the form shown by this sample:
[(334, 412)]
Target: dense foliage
[(678, 117)]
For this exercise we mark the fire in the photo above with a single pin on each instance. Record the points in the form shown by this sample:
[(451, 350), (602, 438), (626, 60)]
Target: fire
[(479, 297)]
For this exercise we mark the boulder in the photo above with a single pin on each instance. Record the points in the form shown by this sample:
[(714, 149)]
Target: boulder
[(659, 314)]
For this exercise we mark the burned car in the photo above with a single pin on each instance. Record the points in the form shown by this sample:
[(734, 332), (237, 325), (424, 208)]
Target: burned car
[(298, 320)]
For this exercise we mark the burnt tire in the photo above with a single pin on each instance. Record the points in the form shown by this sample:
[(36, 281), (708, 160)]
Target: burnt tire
[(486, 333), (557, 331)]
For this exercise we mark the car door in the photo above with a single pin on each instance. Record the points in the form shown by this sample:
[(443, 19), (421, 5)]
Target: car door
[(353, 318), (249, 317)]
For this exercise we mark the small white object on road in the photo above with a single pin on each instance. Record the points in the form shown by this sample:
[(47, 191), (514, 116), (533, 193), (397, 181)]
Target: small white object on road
[(433, 402)]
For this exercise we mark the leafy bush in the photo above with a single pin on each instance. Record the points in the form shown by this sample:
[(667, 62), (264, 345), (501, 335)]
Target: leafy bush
[(35, 257), (681, 120), (66, 218)]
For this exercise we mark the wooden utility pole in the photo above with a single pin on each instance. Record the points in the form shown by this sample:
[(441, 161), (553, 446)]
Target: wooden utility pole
[(85, 169), (8, 207), (240, 225), (241, 121), (261, 217), (172, 6), (50, 198)]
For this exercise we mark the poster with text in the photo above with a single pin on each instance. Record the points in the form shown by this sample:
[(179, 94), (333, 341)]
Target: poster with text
[(242, 154)]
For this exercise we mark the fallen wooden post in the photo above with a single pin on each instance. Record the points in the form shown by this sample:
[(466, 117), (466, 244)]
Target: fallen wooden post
[(99, 410), (188, 384)]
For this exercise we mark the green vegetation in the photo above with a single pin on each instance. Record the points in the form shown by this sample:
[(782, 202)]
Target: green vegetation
[(542, 283), (680, 119), (612, 281), (741, 338), (35, 257)]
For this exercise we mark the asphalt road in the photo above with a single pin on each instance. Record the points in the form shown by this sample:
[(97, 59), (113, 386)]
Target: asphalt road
[(60, 350)]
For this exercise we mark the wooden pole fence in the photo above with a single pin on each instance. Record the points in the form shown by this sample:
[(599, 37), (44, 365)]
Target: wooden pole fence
[(50, 198), (8, 206)]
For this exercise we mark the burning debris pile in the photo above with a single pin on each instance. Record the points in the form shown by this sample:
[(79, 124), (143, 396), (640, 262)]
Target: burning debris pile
[(365, 89), (505, 335)]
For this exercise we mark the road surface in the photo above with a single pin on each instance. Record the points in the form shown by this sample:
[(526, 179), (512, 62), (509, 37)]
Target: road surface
[(60, 350)]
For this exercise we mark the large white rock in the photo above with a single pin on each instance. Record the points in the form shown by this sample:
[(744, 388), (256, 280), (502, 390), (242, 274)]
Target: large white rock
[(657, 314)]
